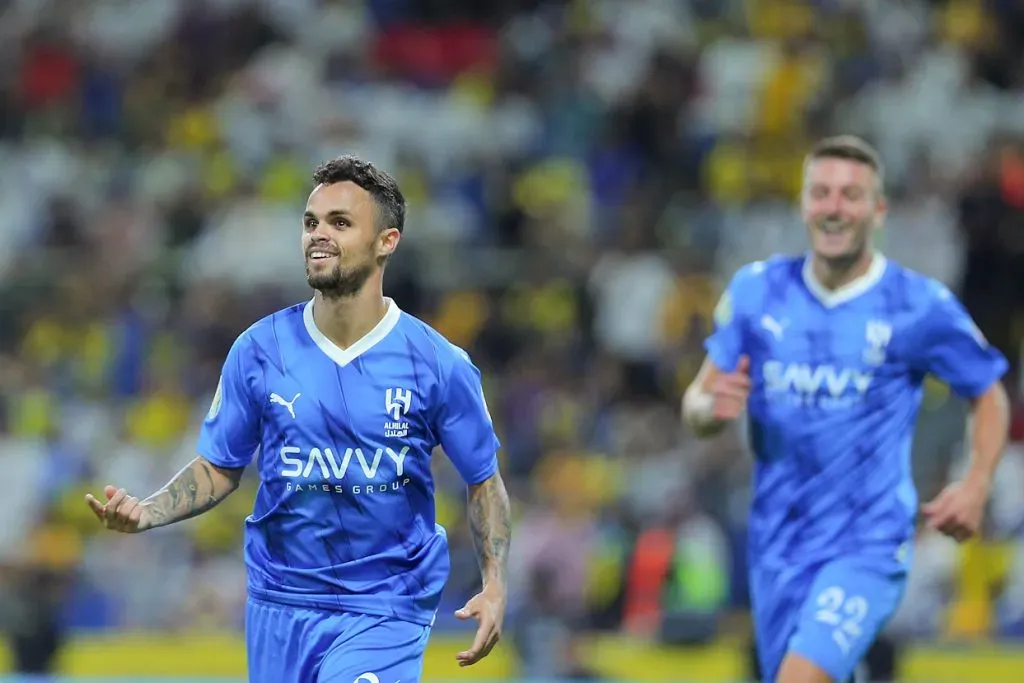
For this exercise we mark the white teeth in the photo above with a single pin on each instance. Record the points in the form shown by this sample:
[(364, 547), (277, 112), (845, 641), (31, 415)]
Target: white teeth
[(319, 254)]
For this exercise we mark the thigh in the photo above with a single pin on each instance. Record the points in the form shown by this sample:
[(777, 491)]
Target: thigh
[(282, 643), (776, 599), (376, 650), (848, 605)]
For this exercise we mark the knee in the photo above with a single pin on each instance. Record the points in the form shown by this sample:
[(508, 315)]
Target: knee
[(798, 669)]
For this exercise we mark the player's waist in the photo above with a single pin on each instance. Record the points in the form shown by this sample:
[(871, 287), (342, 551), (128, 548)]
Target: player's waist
[(416, 609), (778, 553)]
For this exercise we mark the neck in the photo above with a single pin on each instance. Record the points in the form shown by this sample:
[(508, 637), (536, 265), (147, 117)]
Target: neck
[(836, 273), (346, 320)]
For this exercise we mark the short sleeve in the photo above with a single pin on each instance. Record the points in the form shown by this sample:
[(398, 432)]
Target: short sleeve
[(952, 348), (464, 423), (230, 433), (725, 345)]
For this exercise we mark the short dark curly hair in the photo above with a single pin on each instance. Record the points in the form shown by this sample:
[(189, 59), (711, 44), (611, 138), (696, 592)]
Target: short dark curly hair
[(380, 184)]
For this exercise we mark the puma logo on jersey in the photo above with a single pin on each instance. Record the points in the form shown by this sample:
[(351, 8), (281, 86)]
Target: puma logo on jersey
[(774, 326), (289, 405)]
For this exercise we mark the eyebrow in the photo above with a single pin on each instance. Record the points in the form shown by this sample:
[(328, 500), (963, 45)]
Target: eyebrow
[(333, 213)]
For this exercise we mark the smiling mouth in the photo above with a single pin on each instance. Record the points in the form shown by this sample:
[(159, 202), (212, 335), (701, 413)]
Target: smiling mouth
[(319, 255), (832, 227)]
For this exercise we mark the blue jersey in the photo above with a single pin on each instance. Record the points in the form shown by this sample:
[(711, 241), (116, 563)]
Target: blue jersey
[(344, 516), (836, 387)]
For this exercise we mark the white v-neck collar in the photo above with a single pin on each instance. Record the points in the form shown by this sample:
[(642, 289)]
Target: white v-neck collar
[(830, 298), (345, 356)]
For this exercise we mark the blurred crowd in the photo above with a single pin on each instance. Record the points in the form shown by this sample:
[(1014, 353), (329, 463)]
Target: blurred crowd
[(583, 177)]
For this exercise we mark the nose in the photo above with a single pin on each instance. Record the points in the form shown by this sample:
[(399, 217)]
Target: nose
[(318, 234), (832, 205)]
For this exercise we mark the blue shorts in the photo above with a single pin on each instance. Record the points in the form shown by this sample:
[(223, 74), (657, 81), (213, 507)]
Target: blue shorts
[(829, 614), (297, 645)]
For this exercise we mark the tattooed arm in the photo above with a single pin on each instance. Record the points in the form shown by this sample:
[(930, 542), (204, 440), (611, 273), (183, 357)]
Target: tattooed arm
[(491, 525), (197, 488)]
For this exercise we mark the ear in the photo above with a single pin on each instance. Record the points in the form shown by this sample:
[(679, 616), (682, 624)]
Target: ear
[(387, 242), (881, 209)]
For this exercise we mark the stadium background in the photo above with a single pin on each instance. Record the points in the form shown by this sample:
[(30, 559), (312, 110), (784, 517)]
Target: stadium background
[(582, 178)]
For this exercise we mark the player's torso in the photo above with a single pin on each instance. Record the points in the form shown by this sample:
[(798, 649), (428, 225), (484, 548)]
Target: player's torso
[(814, 364), (344, 431), (833, 404), (346, 447)]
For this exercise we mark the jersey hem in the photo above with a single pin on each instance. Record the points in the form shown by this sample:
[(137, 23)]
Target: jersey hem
[(220, 462), (717, 356), (977, 390), (488, 473), (369, 605), (875, 554)]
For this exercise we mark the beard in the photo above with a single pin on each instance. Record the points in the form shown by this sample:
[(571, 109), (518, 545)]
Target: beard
[(858, 231), (339, 283)]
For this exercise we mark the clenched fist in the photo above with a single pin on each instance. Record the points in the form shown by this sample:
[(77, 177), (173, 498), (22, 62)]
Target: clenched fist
[(730, 390), (121, 512)]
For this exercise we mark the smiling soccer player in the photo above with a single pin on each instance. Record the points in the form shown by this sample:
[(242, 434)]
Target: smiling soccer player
[(344, 397), (827, 353)]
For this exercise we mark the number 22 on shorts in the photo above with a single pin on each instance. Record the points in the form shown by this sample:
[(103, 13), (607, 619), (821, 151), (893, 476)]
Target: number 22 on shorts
[(844, 613)]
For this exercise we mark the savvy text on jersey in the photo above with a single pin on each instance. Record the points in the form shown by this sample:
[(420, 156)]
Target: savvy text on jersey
[(321, 470)]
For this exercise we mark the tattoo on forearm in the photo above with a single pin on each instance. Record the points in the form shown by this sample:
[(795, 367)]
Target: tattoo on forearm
[(491, 525), (196, 489)]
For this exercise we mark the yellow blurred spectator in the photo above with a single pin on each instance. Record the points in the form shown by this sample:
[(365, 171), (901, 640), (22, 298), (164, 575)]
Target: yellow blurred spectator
[(606, 572), (460, 317), (983, 566), (283, 179), (726, 173), (162, 413), (88, 347), (603, 479), (692, 300), (576, 482), (94, 351), (561, 418), (44, 342), (550, 307), (415, 187), (550, 185), (699, 581), (776, 166), (220, 174), (71, 511), (33, 413), (158, 419), (195, 128), (221, 528), (55, 546), (448, 511), (474, 87), (964, 23), (788, 90), (779, 19)]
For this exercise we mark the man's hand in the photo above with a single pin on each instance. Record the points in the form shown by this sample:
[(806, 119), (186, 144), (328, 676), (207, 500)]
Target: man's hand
[(488, 608), (121, 512), (490, 526), (729, 391), (957, 511), (198, 487)]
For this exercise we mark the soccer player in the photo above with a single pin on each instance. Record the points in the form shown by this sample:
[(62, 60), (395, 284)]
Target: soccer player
[(344, 398), (826, 353)]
